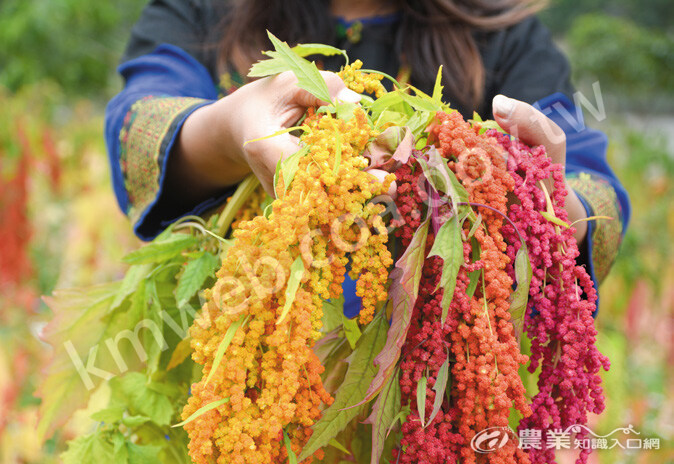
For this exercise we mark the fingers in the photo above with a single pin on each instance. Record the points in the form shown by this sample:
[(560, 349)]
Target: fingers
[(530, 126), (380, 174)]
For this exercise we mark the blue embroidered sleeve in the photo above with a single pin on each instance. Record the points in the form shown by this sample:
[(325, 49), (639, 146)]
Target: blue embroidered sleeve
[(161, 89)]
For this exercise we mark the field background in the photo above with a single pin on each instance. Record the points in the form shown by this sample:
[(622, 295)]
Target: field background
[(60, 225)]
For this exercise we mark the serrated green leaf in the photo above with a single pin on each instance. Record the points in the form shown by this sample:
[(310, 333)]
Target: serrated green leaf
[(294, 280), (358, 377), (268, 67), (448, 246), (405, 279), (420, 103), (134, 390), (388, 101), (319, 49), (90, 449), (224, 344), (554, 219), (344, 111), (308, 76), (163, 250), (421, 399), (201, 411), (195, 274), (437, 88), (384, 412), (439, 389), (351, 330)]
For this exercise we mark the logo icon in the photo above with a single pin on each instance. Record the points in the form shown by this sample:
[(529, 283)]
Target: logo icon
[(491, 439)]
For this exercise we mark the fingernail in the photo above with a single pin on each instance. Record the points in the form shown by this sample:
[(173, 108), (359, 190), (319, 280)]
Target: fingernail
[(348, 96), (503, 106)]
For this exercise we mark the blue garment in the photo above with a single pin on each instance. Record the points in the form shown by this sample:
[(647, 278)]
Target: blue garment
[(169, 71)]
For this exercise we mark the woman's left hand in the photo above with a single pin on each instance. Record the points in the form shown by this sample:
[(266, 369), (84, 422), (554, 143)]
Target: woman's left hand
[(534, 128)]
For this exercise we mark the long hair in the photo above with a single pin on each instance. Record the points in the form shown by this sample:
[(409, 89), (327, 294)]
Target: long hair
[(432, 32)]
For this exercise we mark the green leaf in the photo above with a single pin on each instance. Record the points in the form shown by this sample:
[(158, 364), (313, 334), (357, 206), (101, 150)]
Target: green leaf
[(554, 219), (351, 330), (437, 88), (308, 76), (474, 227), (90, 449), (520, 297), (449, 247), (195, 274), (269, 67), (224, 344), (439, 389), (388, 101), (358, 377), (81, 325), (384, 412), (421, 103), (474, 276), (288, 167), (421, 399), (145, 454), (201, 411), (403, 293), (164, 250), (130, 283), (109, 415), (275, 134), (334, 443), (135, 391), (292, 457), (319, 49), (296, 273), (135, 421), (333, 311)]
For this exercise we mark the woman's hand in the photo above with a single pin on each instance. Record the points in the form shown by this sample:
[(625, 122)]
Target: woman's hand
[(534, 128), (210, 152)]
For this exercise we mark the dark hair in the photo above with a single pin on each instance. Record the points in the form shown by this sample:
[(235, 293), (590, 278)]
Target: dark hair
[(433, 32)]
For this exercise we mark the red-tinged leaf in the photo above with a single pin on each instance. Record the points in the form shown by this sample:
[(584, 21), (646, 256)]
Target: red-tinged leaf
[(439, 389), (449, 247), (359, 375), (384, 412), (390, 149), (404, 290)]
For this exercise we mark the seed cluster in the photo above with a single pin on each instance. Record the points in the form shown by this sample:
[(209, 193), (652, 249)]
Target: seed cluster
[(269, 375)]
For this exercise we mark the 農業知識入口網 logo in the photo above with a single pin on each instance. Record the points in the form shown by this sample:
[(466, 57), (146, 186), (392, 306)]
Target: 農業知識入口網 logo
[(573, 437)]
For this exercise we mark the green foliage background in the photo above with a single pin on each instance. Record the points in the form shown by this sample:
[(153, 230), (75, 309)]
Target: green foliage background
[(57, 69)]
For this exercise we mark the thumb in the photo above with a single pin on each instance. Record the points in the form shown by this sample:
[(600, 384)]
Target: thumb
[(530, 126)]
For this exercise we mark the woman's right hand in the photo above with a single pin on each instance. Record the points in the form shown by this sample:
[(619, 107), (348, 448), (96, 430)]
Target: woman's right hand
[(210, 151)]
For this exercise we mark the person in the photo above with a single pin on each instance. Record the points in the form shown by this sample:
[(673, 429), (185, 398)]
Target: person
[(176, 145)]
